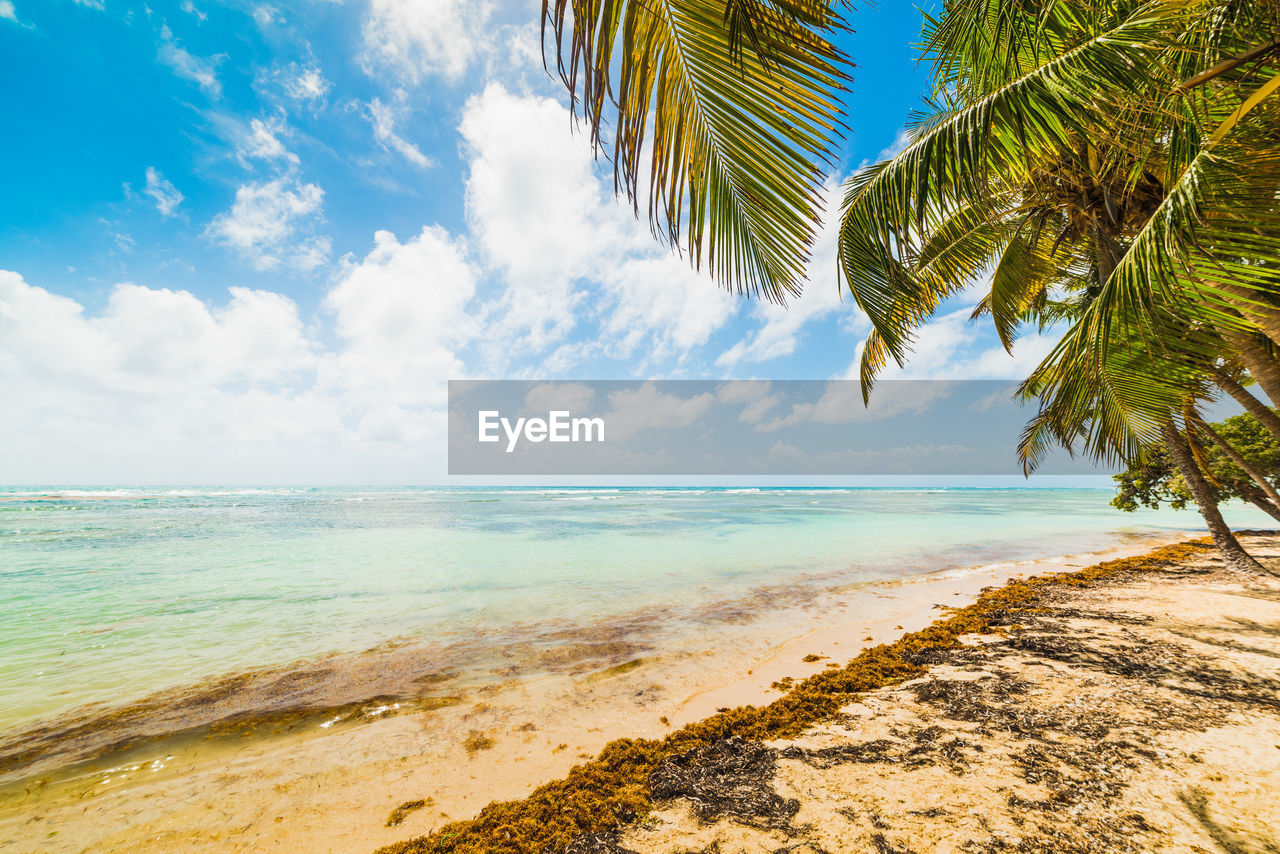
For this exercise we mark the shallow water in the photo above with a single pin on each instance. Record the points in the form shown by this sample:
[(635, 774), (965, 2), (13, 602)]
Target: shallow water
[(111, 594)]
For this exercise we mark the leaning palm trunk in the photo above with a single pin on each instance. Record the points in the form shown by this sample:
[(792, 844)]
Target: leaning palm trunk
[(1255, 308), (1267, 487), (1266, 416), (1255, 497), (1262, 367), (1228, 546)]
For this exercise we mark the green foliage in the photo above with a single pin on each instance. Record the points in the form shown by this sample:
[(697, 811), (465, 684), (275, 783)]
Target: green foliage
[(1153, 479), (1116, 167), (1149, 481), (725, 114)]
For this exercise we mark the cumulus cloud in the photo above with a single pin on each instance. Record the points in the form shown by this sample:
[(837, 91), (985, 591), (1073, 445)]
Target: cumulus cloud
[(842, 403), (152, 365), (152, 340), (302, 84), (417, 38), (542, 216), (265, 16), (402, 315), (383, 118), (951, 346), (272, 223), (756, 394), (632, 411), (7, 12), (159, 385), (167, 197), (306, 84)]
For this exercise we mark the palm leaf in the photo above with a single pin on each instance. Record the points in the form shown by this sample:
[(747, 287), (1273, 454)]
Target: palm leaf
[(726, 117)]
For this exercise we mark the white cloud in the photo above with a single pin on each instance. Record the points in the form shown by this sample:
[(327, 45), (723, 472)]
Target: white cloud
[(305, 83), (842, 403), (202, 72), (781, 327), (300, 84), (7, 11), (160, 338), (190, 8), (935, 349), (383, 119), (542, 217), (1028, 352), (892, 150), (273, 223), (661, 306), (262, 142), (91, 4), (531, 197), (146, 343), (402, 315), (265, 15), (632, 411), (757, 394), (575, 397), (160, 386), (417, 38), (951, 346), (167, 197)]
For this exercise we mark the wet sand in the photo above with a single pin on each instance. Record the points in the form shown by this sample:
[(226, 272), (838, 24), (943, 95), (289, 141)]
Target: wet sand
[(319, 756)]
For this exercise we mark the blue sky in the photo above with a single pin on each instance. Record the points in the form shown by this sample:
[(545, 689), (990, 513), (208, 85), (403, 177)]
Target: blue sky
[(250, 241)]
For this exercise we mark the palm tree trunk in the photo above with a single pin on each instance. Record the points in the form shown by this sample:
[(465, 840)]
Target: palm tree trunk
[(1241, 463), (1254, 307), (1264, 369), (1106, 251), (1233, 554), (1257, 499), (1266, 416)]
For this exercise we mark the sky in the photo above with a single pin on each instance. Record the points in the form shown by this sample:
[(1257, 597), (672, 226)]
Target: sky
[(250, 242)]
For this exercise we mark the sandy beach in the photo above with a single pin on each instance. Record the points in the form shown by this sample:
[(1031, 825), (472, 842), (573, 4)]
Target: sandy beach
[(1137, 714), (672, 427), (333, 782)]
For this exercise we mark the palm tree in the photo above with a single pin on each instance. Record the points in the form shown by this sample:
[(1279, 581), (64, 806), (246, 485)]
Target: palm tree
[(726, 114), (1116, 165), (1066, 154)]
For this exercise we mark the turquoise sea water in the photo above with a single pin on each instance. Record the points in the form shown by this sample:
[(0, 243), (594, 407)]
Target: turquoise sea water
[(109, 594)]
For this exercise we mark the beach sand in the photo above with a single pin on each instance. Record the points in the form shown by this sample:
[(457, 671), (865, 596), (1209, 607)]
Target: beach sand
[(307, 786), (1141, 715)]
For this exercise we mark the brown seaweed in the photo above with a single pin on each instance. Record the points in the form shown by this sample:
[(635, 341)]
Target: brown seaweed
[(601, 796)]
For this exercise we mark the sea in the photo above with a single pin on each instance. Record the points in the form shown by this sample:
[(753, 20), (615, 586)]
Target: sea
[(108, 595)]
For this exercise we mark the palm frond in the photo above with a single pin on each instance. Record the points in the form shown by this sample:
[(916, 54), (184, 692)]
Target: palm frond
[(1208, 252), (899, 295), (1107, 411), (970, 152), (726, 117)]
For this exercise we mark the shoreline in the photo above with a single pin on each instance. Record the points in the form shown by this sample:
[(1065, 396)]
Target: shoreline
[(1128, 707), (331, 788)]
